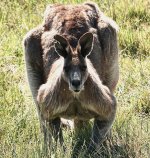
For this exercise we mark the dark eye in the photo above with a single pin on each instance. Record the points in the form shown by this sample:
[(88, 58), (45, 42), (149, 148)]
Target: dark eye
[(83, 68), (66, 68)]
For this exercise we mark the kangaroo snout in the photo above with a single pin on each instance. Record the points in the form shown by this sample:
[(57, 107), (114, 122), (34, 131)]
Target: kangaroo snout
[(76, 83)]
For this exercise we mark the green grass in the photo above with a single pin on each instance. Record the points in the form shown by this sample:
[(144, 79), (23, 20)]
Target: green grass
[(20, 135)]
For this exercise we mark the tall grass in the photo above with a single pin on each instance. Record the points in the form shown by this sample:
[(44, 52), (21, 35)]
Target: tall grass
[(20, 134)]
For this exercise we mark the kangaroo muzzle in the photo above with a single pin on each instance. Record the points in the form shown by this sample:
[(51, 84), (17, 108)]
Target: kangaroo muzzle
[(76, 84)]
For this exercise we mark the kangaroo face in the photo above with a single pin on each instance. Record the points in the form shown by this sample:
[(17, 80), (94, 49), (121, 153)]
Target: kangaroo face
[(75, 68), (75, 72)]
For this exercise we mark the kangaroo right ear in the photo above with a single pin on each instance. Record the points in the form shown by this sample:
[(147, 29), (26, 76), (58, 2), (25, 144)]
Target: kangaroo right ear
[(61, 45)]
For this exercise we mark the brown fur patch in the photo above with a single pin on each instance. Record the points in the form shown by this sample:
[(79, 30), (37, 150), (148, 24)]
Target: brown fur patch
[(45, 67)]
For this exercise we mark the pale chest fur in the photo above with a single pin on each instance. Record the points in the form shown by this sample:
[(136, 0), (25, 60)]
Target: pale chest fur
[(67, 104)]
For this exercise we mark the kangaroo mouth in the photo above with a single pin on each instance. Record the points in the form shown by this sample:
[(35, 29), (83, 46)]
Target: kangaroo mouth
[(77, 90)]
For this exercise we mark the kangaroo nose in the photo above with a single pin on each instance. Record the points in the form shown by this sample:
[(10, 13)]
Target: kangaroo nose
[(76, 83)]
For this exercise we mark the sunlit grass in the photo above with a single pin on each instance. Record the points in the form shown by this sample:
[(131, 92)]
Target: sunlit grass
[(20, 134)]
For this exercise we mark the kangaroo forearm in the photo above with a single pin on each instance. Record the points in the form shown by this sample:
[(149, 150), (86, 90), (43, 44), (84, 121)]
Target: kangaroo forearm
[(106, 95), (100, 92), (104, 103), (107, 98)]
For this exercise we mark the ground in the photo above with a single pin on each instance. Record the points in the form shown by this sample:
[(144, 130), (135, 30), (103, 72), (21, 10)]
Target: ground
[(20, 134)]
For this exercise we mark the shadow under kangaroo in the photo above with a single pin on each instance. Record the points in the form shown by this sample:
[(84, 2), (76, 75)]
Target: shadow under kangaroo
[(72, 67)]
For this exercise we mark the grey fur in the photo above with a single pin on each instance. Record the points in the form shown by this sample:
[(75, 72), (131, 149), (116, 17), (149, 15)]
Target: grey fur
[(45, 69)]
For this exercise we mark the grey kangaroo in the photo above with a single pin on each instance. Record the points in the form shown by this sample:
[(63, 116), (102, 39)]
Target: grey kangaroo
[(72, 67)]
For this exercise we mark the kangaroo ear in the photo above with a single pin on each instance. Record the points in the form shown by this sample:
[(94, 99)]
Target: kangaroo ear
[(61, 45), (85, 44)]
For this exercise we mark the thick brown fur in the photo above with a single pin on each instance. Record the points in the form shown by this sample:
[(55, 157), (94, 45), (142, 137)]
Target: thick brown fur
[(45, 68)]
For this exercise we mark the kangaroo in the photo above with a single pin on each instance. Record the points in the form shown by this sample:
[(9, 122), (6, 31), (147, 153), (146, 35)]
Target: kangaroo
[(72, 67)]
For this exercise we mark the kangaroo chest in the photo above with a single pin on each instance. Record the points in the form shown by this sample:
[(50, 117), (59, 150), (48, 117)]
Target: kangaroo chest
[(77, 110)]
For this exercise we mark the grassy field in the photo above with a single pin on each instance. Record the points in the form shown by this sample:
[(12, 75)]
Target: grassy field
[(20, 135)]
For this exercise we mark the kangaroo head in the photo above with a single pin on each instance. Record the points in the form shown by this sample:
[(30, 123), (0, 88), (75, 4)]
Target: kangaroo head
[(75, 66)]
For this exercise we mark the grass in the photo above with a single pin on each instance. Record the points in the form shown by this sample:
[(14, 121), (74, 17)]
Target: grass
[(20, 135)]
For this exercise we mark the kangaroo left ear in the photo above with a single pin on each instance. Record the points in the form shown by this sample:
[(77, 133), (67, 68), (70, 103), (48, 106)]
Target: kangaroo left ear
[(61, 45), (85, 44)]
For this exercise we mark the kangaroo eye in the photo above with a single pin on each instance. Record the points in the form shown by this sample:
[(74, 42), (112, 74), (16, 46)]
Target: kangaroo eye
[(66, 68), (83, 68)]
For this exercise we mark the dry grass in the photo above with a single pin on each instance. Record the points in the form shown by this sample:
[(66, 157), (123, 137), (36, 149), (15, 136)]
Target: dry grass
[(19, 127)]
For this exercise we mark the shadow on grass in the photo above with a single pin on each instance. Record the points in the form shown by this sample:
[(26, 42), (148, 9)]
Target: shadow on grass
[(109, 149)]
